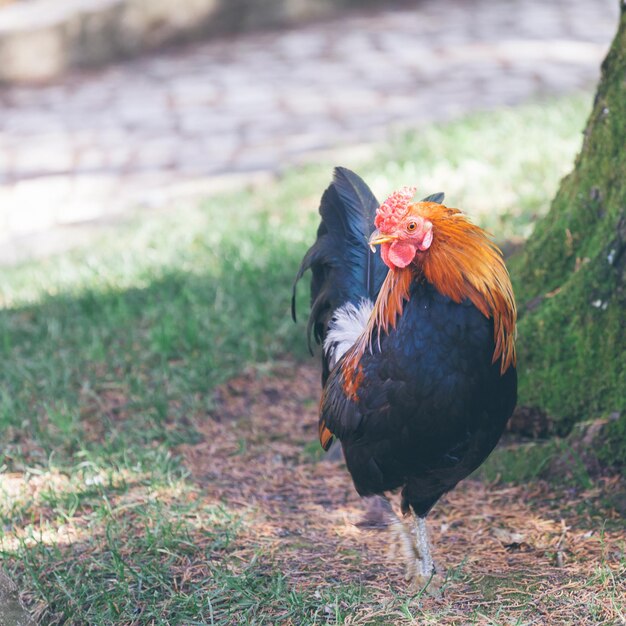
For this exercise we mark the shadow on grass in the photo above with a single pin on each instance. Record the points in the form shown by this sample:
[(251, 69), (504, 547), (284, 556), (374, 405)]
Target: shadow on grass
[(114, 369)]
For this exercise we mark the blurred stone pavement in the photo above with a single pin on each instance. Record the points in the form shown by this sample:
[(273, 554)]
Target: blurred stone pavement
[(190, 121)]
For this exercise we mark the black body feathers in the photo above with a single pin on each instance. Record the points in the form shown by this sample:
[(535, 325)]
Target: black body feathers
[(431, 405)]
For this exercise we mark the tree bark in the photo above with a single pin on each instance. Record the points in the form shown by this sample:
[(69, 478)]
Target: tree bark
[(570, 277)]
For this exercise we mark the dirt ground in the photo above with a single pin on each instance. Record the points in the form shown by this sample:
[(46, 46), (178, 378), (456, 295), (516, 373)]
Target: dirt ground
[(530, 553)]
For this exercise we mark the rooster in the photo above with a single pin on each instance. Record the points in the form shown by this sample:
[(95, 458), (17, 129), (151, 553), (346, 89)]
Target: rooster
[(418, 361)]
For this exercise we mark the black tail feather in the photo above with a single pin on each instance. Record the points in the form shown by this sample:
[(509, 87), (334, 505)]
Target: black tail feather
[(344, 268), (435, 197)]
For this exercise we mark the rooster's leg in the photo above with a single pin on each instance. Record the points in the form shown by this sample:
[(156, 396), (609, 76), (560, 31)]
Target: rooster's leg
[(380, 514), (403, 539), (413, 547), (426, 567)]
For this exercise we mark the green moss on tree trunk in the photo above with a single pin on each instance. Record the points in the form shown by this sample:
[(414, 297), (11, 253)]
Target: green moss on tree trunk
[(570, 278)]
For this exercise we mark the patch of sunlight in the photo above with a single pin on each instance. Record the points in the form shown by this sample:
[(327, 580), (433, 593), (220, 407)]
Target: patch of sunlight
[(137, 498), (128, 258), (62, 492), (19, 489), (46, 534), (63, 509)]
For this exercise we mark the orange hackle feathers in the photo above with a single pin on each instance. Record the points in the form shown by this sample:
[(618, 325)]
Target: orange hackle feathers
[(388, 308), (326, 437), (464, 263)]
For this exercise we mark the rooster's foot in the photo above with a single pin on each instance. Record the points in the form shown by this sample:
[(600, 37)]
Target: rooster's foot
[(430, 584)]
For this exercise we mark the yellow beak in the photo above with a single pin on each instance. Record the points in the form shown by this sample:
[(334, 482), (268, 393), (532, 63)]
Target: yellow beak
[(376, 238)]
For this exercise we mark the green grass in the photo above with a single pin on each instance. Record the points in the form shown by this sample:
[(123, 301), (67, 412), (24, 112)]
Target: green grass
[(109, 356), (520, 462), (132, 566)]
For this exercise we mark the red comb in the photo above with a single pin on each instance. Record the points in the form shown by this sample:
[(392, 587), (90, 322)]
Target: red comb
[(391, 211)]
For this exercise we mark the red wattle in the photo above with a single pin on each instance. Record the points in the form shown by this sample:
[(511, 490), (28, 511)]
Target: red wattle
[(398, 254)]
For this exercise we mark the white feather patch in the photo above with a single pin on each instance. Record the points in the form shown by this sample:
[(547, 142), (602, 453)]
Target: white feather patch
[(346, 325)]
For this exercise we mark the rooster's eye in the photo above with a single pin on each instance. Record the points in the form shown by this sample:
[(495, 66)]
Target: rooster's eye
[(411, 226)]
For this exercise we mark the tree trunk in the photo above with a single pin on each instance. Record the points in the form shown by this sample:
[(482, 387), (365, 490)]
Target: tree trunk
[(570, 277)]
